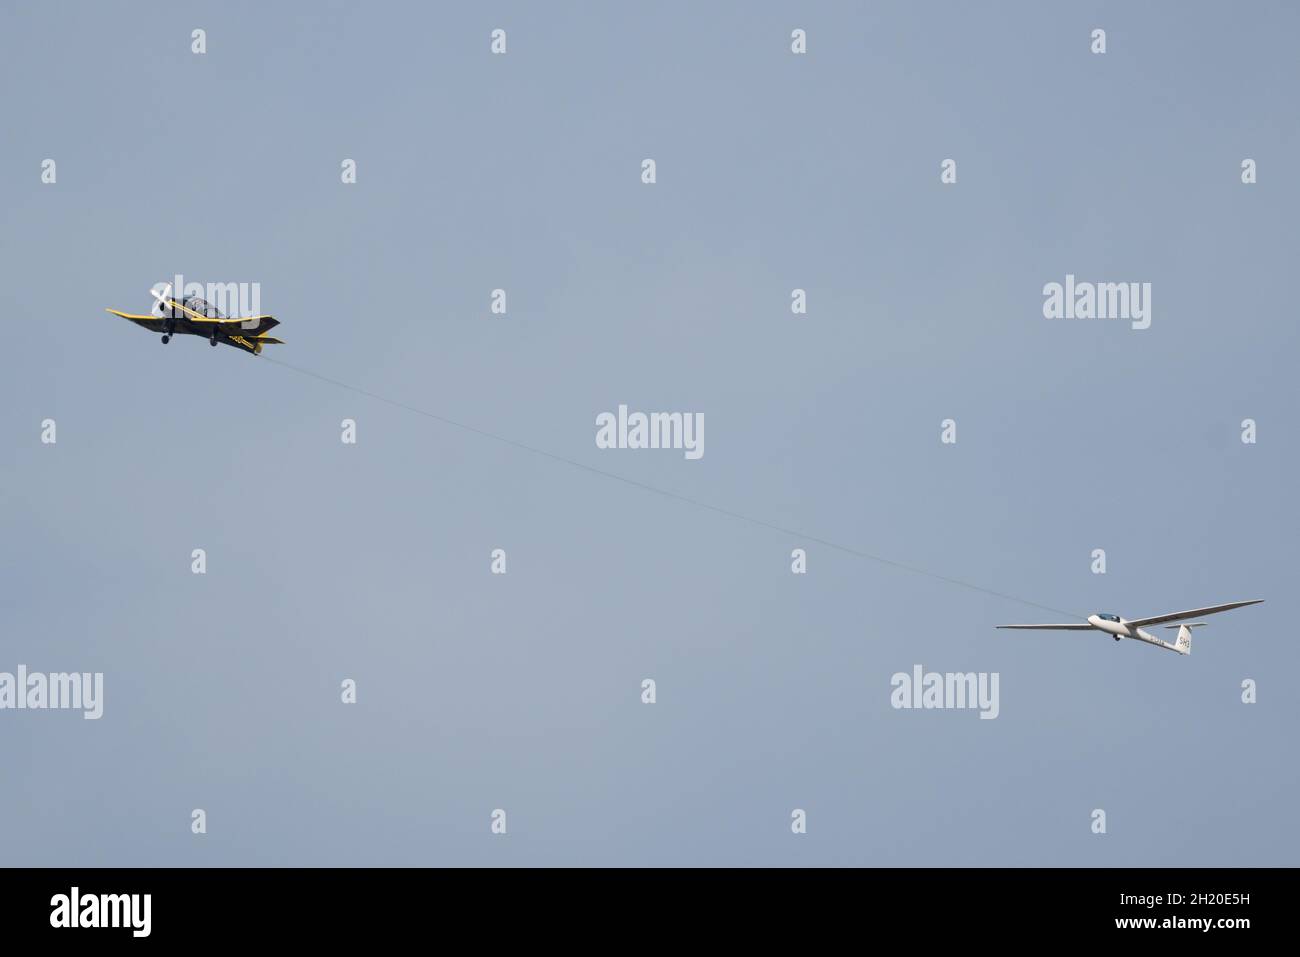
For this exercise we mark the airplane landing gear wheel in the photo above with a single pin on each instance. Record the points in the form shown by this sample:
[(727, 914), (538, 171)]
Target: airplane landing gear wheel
[(1117, 637), (212, 341), (166, 339)]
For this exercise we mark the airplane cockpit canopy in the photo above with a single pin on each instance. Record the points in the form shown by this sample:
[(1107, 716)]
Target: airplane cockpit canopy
[(202, 307), (1114, 618)]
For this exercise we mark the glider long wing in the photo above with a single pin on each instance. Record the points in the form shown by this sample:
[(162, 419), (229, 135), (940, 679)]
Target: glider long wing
[(1083, 626), (1194, 613)]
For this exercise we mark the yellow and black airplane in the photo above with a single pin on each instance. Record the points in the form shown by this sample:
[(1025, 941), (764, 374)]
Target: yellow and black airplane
[(192, 316)]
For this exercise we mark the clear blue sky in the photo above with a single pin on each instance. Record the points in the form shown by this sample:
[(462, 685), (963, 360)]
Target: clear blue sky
[(522, 691)]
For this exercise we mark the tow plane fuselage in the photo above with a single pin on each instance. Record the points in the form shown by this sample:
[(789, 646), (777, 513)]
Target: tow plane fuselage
[(191, 316)]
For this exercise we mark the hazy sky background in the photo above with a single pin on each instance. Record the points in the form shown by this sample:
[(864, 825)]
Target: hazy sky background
[(522, 692)]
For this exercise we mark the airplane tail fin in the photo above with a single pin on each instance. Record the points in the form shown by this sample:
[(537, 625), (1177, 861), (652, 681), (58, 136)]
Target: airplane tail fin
[(265, 341), (1183, 643)]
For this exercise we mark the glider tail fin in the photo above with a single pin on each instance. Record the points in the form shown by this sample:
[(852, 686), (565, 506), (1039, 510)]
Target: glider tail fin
[(1183, 643)]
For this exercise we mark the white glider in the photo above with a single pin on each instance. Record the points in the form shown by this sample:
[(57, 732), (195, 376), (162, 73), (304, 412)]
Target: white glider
[(1124, 628)]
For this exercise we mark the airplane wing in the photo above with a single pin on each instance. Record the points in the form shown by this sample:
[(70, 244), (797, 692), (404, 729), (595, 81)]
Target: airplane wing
[(1194, 613), (1083, 626), (142, 320), (258, 319), (200, 317), (264, 325)]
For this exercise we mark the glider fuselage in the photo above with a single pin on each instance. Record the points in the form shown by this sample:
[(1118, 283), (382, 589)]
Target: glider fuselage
[(1114, 625)]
